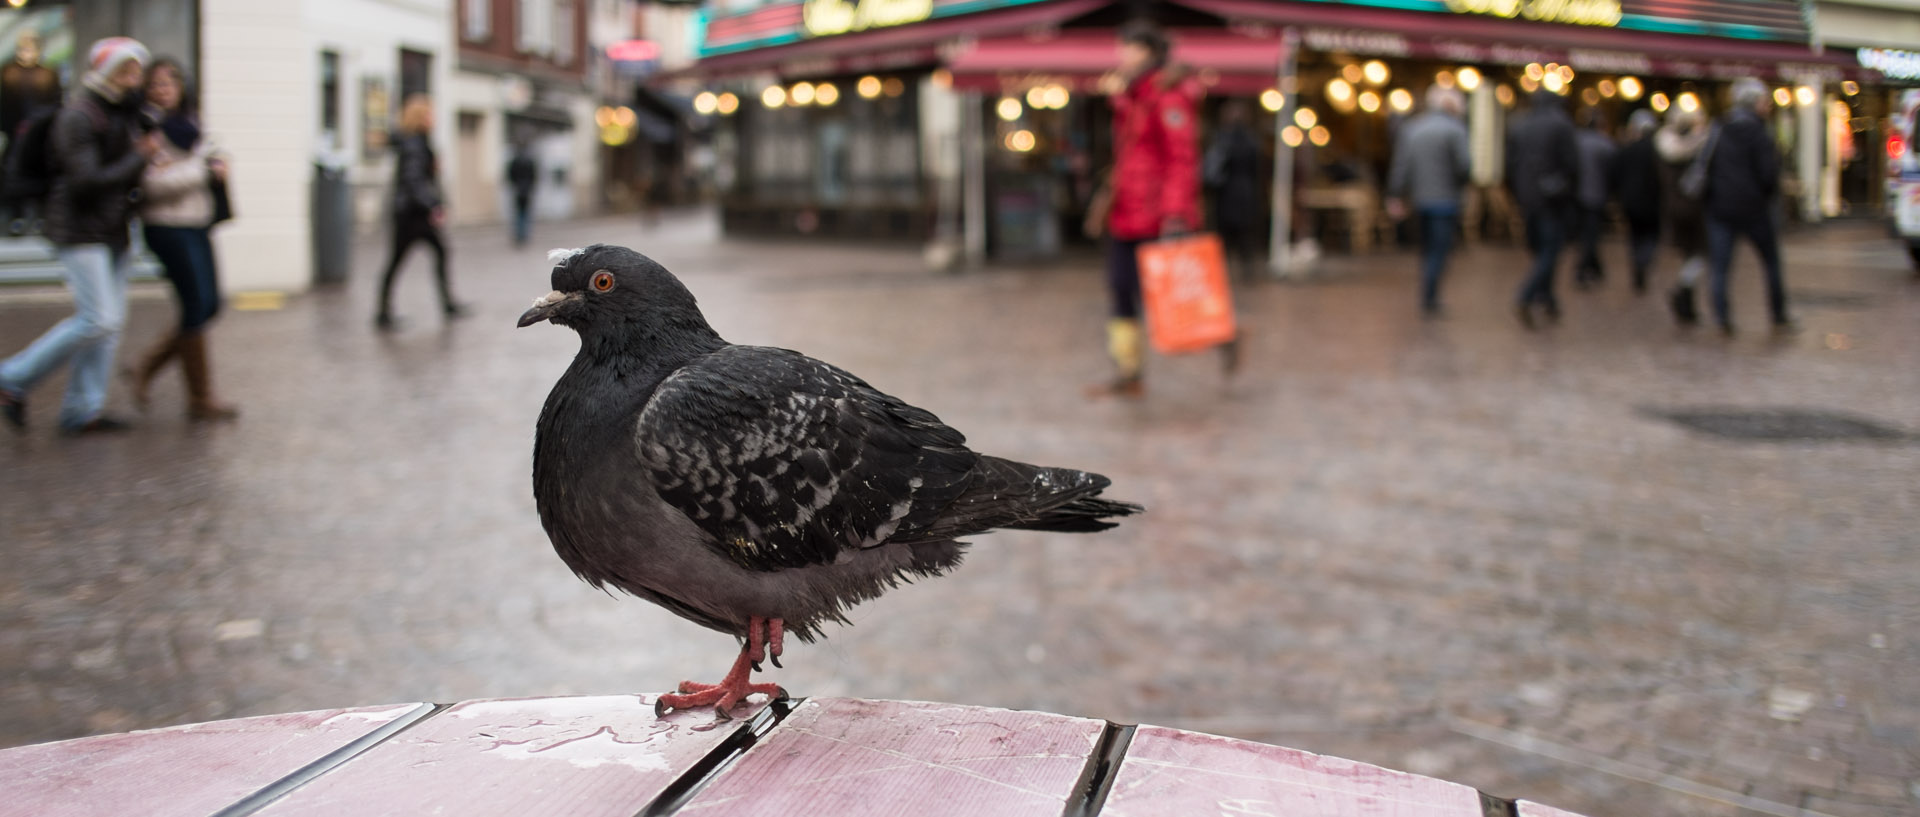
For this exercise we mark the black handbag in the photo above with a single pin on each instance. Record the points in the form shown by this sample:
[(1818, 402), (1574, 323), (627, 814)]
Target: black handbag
[(222, 203)]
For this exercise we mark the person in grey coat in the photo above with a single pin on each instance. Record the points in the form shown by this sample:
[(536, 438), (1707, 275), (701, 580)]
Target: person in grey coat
[(1431, 164), (1743, 178), (1597, 152), (1543, 173)]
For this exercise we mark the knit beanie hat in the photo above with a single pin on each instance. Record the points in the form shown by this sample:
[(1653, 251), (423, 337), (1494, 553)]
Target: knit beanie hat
[(108, 54)]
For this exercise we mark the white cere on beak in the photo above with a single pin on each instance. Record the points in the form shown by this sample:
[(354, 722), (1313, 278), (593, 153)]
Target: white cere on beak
[(549, 299), (561, 255)]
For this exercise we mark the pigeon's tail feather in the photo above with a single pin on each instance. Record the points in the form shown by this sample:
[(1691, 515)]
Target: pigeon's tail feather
[(1086, 515)]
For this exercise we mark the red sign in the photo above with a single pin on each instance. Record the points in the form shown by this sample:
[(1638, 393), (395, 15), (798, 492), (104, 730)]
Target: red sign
[(633, 51)]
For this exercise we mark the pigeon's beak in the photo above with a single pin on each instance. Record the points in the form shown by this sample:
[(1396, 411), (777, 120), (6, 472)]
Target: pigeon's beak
[(544, 307)]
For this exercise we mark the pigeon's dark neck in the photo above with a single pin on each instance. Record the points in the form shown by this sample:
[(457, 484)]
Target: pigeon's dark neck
[(639, 357)]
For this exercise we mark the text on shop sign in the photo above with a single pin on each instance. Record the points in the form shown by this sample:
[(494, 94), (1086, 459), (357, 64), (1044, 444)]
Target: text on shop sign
[(1575, 12), (825, 17)]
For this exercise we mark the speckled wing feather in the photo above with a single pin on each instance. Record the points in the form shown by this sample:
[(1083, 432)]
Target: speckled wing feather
[(787, 461)]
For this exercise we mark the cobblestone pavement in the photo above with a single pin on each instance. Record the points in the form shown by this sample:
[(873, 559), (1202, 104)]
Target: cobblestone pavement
[(1454, 548)]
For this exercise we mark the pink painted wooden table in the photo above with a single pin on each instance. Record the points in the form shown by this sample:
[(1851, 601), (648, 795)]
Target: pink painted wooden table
[(595, 756)]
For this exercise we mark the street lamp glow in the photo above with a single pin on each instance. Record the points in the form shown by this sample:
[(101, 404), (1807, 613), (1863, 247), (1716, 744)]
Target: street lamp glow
[(1659, 102), (1272, 100), (1008, 109), (1805, 95), (1020, 141), (1688, 102), (1306, 118), (1469, 78), (1630, 88), (1369, 101), (800, 94), (774, 96), (1037, 97), (1292, 136), (1782, 97), (727, 103), (1339, 91), (868, 87), (1058, 97), (1535, 71), (1320, 136), (1401, 99), (705, 103), (826, 93), (1376, 72), (1351, 73), (1553, 82)]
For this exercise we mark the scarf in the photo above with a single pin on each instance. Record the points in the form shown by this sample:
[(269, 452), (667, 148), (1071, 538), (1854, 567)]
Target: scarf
[(181, 130)]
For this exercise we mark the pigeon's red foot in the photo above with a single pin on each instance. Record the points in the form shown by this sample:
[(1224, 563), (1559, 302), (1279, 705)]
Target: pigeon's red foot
[(737, 685)]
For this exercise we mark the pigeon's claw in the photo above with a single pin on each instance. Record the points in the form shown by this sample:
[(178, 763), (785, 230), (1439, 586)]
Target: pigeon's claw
[(735, 687)]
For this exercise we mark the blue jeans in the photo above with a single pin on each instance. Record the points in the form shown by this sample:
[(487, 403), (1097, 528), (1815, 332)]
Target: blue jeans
[(97, 278), (1720, 237), (1592, 221), (1123, 277), (522, 218), (1439, 225), (1546, 234), (186, 253)]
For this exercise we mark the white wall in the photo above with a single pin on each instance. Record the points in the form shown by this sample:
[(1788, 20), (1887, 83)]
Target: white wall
[(260, 82)]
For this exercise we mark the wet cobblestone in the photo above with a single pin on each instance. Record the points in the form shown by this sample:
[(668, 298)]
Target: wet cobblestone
[(1455, 548)]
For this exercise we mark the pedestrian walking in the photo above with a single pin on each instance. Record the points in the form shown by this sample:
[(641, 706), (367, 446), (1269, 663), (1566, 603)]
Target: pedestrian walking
[(1635, 183), (1743, 177), (177, 214), (1155, 185), (1543, 174), (1431, 165), (418, 209), (1232, 176), (1597, 152), (1679, 143), (522, 173), (97, 149)]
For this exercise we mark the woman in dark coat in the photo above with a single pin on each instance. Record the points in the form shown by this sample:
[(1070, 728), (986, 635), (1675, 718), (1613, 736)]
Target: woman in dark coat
[(1636, 185), (1678, 142), (418, 211)]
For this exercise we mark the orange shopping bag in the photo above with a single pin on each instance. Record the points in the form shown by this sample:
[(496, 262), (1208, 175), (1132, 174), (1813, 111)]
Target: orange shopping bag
[(1184, 284)]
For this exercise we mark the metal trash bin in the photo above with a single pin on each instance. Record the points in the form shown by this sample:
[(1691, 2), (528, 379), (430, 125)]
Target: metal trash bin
[(332, 224)]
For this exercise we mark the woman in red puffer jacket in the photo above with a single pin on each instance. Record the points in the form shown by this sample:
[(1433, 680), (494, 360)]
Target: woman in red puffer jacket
[(1154, 186)]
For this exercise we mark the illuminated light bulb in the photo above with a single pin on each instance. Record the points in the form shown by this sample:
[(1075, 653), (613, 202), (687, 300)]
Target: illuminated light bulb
[(1504, 93), (603, 116), (774, 96), (1444, 78), (1554, 83), (1272, 100), (1369, 101), (1535, 71), (1020, 141), (826, 93), (623, 116), (1292, 136), (1529, 84), (1351, 73), (941, 78), (1008, 109), (1805, 95), (1469, 78), (1401, 99), (1630, 88), (1375, 71), (1659, 102), (1607, 88), (1058, 97), (1566, 74), (800, 94), (1590, 97), (868, 87), (727, 103), (705, 103), (1320, 136), (1037, 97), (1782, 97), (1850, 87), (1688, 102), (1339, 90), (1306, 118)]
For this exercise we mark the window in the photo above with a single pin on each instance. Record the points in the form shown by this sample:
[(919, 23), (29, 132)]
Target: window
[(330, 99), (535, 26), (416, 73), (563, 42), (479, 20)]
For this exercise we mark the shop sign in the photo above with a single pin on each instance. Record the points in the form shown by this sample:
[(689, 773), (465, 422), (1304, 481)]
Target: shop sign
[(1355, 41), (822, 18), (1573, 12), (1891, 62)]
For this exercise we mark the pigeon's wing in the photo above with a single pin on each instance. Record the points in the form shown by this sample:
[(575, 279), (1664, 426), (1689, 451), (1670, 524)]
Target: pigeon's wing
[(787, 461)]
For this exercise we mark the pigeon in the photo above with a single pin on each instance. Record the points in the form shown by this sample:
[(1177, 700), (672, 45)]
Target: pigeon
[(753, 490)]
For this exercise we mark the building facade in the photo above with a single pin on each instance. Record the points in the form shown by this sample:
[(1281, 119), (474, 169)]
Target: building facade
[(522, 81)]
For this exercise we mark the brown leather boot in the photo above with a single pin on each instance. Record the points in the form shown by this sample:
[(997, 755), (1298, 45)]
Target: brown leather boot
[(150, 365), (201, 404)]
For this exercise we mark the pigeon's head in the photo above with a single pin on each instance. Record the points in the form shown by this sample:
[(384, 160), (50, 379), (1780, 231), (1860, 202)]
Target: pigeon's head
[(617, 294)]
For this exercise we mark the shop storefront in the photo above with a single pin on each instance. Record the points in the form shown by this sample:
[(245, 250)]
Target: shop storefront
[(984, 123)]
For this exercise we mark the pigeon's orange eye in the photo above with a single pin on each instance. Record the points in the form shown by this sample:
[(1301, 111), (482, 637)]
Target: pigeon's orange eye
[(602, 281)]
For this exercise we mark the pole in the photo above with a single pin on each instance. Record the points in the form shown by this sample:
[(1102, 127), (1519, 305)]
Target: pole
[(1280, 246), (974, 175)]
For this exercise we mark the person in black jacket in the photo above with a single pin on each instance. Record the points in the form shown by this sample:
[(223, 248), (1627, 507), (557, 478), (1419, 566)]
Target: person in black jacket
[(98, 147), (418, 211), (1636, 185), (522, 172), (1743, 177), (1543, 173), (1231, 173)]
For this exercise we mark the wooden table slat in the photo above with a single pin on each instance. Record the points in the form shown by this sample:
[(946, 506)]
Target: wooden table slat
[(180, 771), (837, 756), (1528, 808), (581, 757), (1167, 771)]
